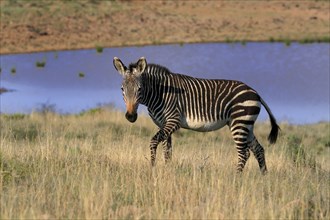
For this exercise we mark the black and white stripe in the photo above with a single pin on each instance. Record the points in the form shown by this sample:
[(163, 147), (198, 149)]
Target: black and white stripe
[(176, 100)]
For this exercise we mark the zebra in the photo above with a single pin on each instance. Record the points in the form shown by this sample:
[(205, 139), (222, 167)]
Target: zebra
[(179, 101)]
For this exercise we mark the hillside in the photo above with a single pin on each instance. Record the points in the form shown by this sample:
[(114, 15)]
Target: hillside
[(30, 26)]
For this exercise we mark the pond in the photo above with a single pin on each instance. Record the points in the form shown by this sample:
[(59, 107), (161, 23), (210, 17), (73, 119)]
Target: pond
[(293, 80)]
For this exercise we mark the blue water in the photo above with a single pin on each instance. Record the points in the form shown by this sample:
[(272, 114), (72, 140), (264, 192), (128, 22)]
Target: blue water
[(293, 80)]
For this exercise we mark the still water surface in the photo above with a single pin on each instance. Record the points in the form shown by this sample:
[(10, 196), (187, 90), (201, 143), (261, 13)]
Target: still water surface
[(293, 80)]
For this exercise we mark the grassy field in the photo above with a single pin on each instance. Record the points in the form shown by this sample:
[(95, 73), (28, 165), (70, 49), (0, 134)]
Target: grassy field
[(96, 165), (35, 25)]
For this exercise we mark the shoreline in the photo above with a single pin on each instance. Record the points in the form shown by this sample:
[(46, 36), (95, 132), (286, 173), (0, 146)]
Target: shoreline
[(287, 42)]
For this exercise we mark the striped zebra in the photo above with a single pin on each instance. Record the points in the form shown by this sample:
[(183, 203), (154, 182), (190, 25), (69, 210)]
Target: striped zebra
[(179, 101)]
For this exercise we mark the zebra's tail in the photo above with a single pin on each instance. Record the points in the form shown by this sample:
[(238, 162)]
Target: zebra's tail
[(275, 128)]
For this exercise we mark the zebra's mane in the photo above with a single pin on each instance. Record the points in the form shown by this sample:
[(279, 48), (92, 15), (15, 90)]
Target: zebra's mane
[(152, 68), (158, 68)]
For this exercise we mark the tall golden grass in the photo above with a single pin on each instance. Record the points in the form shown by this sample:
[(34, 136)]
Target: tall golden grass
[(96, 165)]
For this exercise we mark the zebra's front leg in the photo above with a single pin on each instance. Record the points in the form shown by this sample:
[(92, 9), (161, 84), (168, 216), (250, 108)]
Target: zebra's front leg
[(162, 135), (168, 149), (153, 146)]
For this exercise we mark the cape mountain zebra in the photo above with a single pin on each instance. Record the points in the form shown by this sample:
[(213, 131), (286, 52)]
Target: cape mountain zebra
[(176, 100)]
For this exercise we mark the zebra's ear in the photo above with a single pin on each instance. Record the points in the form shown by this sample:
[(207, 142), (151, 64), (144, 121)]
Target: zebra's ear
[(120, 67), (141, 65)]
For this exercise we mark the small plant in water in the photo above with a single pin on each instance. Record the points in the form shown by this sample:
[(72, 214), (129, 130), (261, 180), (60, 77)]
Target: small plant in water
[(81, 75), (40, 64), (13, 70)]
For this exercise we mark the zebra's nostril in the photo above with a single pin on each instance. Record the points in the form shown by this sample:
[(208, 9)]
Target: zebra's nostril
[(131, 117)]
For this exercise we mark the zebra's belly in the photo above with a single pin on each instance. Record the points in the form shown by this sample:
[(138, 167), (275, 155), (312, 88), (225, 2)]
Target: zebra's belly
[(202, 125)]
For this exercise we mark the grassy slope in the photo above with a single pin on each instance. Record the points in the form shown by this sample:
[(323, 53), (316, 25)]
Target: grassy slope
[(34, 25), (96, 166)]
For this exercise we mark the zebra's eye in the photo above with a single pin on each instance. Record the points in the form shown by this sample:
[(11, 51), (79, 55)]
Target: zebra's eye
[(139, 89)]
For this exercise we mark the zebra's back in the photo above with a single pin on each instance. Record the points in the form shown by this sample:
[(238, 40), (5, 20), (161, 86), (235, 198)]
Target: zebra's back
[(207, 105)]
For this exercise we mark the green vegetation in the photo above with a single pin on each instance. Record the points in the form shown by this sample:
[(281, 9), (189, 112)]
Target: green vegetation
[(40, 64), (325, 39), (96, 165), (16, 116), (99, 49), (81, 75), (306, 40), (287, 42), (92, 111), (13, 70)]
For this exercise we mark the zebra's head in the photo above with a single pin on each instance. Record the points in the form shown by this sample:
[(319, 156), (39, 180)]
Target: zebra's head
[(132, 85)]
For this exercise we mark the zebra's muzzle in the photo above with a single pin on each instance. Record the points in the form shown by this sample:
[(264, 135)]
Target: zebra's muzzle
[(131, 117)]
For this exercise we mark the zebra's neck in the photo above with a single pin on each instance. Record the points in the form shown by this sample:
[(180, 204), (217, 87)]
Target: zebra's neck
[(154, 78)]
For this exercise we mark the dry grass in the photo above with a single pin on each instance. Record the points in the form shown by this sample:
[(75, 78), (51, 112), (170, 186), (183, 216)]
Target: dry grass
[(94, 166), (35, 25)]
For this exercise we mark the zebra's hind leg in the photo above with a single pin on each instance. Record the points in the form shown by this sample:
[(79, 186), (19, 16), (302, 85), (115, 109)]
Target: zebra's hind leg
[(168, 149), (259, 154), (240, 135), (243, 156)]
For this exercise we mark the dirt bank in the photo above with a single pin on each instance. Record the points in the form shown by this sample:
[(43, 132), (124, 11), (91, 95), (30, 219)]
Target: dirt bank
[(29, 26)]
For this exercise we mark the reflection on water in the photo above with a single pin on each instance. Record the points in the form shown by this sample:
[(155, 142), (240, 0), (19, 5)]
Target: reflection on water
[(293, 80)]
